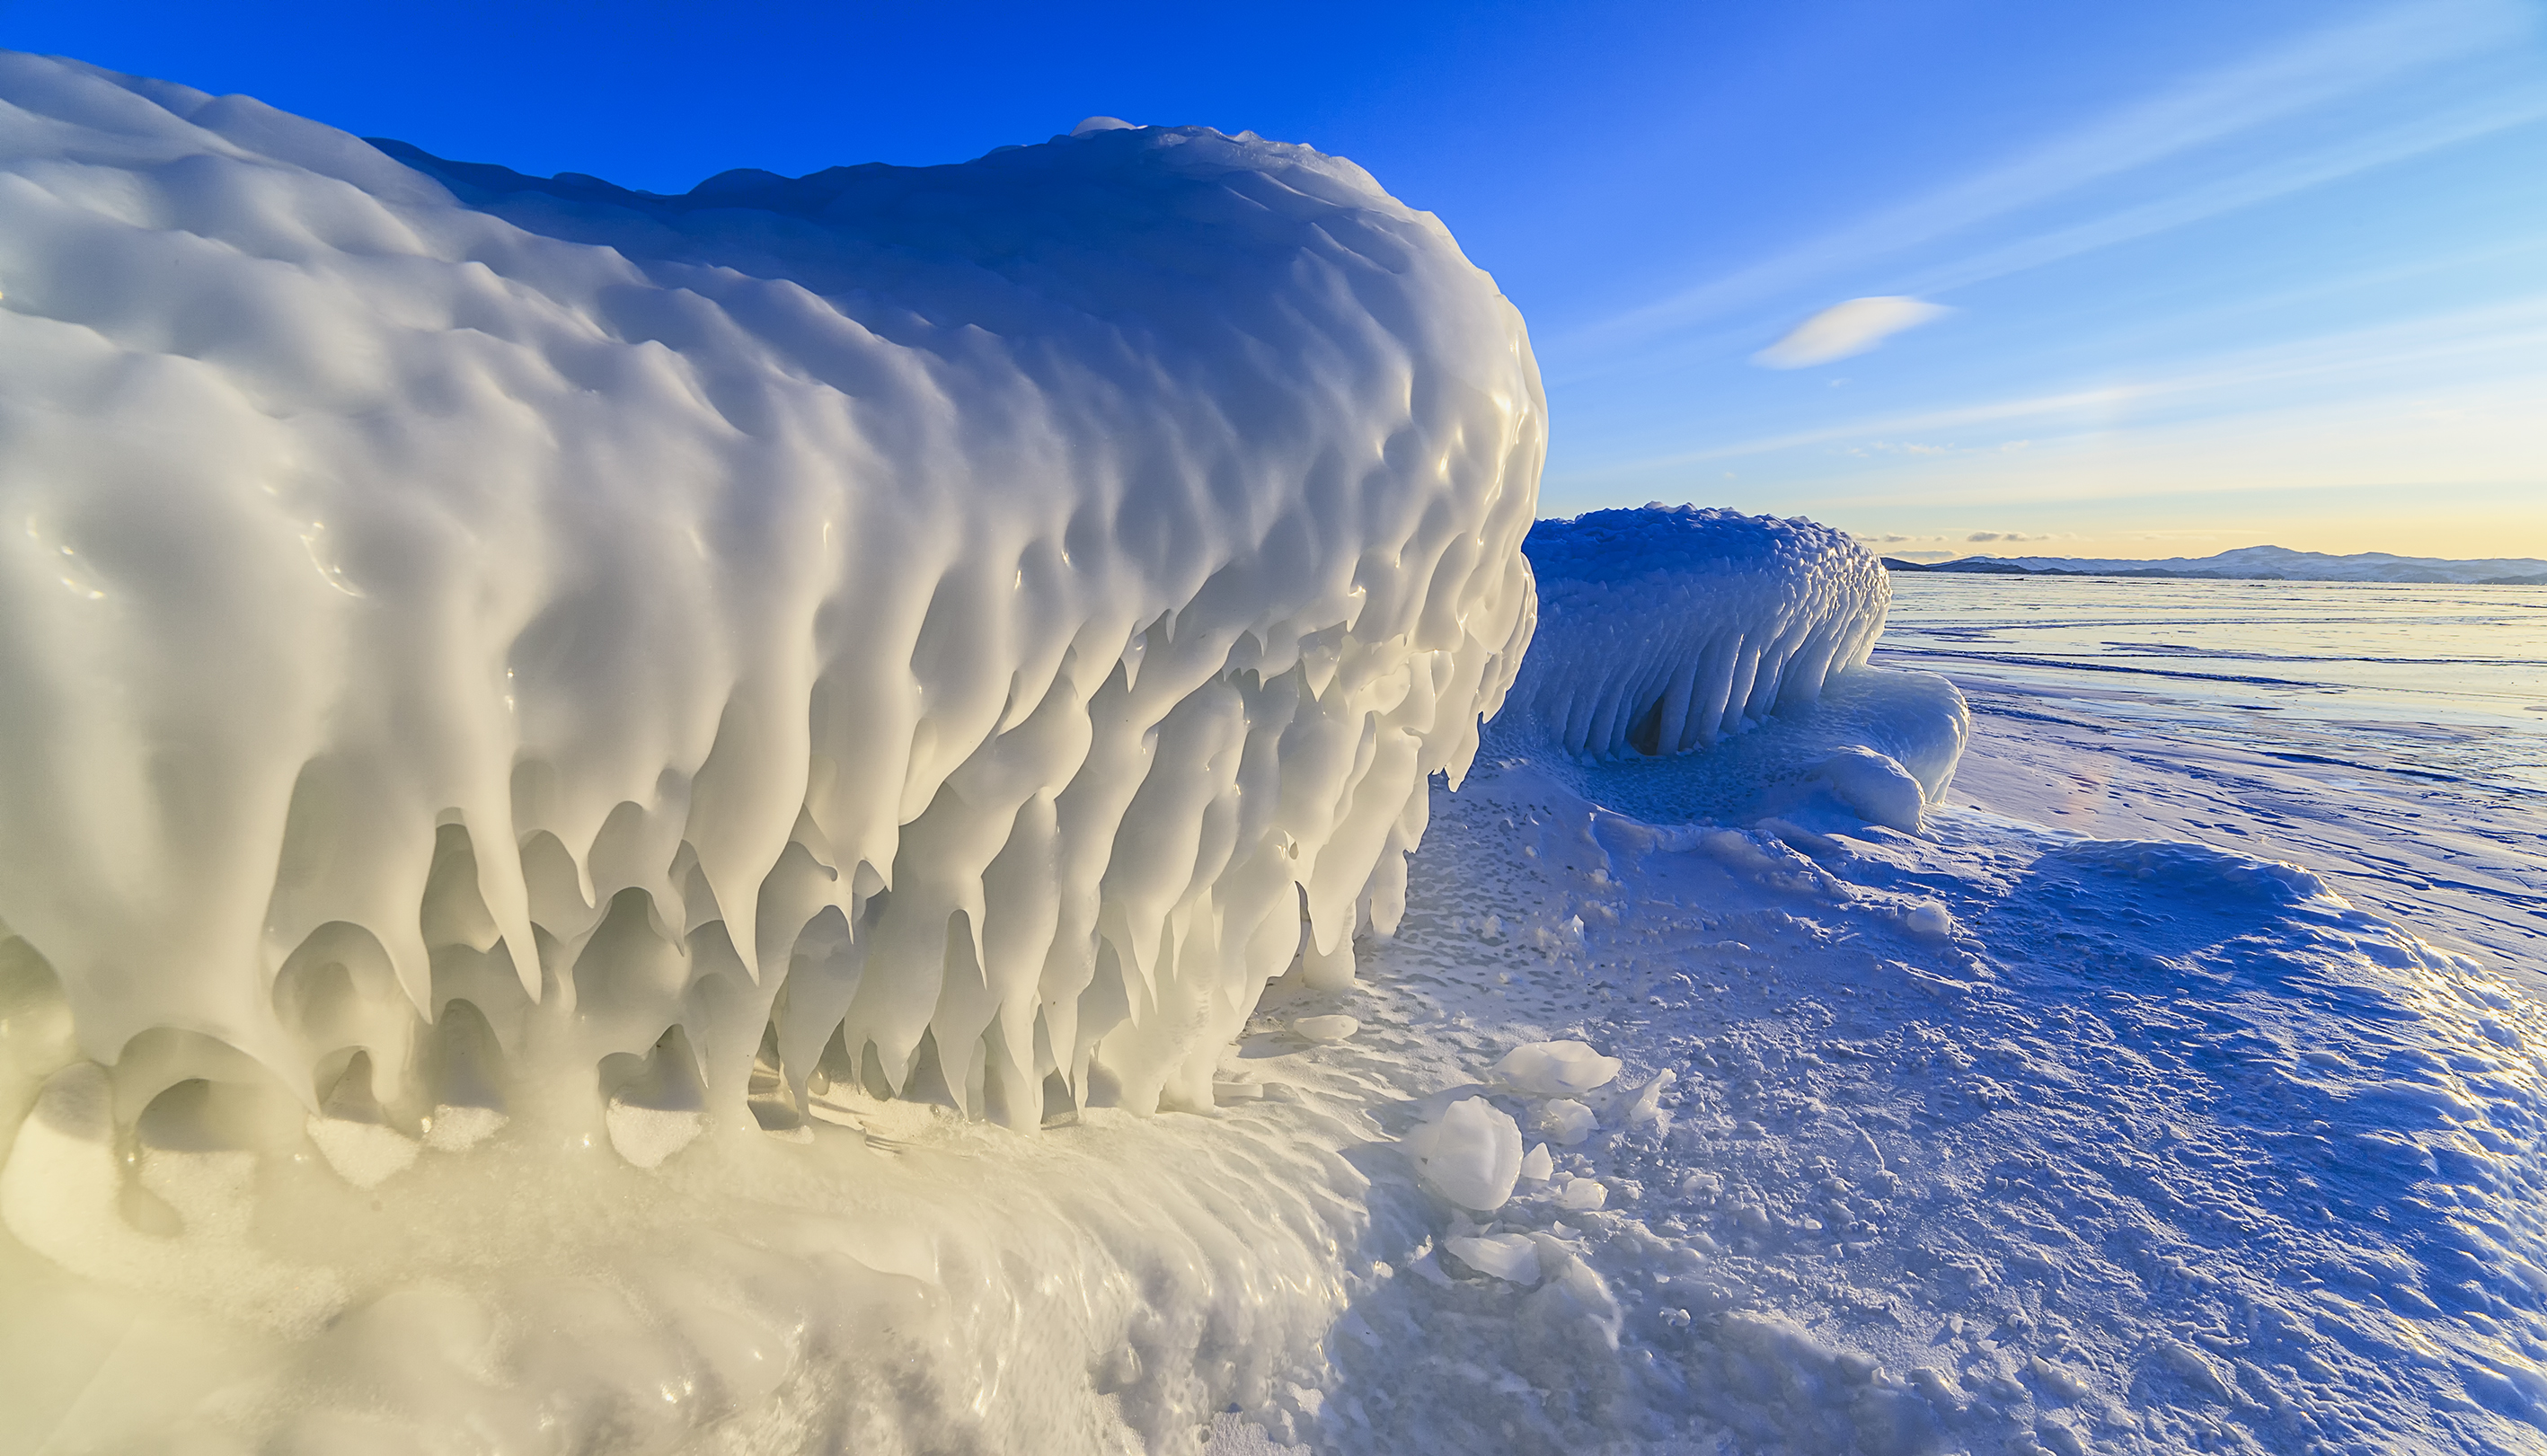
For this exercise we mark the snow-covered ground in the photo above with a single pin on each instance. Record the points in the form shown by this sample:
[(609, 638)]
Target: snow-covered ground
[(2145, 1143)]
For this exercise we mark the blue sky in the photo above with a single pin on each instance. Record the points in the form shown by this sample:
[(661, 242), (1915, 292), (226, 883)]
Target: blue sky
[(2169, 277)]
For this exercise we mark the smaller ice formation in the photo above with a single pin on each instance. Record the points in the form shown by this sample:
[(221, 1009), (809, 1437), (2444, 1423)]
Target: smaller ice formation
[(1668, 637), (1661, 630)]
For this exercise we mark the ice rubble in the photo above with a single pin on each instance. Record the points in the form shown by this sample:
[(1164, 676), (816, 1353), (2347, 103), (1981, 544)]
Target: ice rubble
[(950, 633)]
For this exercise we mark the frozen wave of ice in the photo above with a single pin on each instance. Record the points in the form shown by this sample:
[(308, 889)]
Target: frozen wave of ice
[(570, 758), (931, 629)]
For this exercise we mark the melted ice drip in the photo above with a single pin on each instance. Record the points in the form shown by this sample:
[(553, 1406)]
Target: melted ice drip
[(947, 633), (1663, 629)]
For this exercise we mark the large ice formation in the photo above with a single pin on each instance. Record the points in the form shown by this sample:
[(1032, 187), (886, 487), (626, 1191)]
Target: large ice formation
[(471, 641)]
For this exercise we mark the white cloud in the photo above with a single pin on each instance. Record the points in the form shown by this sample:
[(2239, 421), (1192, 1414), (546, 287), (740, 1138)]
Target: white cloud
[(1900, 447), (1847, 328)]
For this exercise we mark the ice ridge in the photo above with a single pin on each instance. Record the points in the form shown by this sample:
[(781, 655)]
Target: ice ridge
[(470, 643), (1663, 628)]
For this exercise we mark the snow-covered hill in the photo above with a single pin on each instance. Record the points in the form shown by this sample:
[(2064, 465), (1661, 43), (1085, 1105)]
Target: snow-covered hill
[(2266, 561)]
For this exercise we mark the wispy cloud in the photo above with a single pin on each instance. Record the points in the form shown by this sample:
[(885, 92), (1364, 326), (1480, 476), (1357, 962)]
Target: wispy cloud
[(2280, 178), (1894, 537), (2334, 64), (1843, 329), (2511, 332)]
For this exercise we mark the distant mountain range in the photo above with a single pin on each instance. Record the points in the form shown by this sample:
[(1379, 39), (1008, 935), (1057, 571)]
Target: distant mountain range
[(2260, 563)]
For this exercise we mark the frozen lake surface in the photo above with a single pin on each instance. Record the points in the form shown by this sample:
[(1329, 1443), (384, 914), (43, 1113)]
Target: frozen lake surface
[(2392, 737), (2446, 683)]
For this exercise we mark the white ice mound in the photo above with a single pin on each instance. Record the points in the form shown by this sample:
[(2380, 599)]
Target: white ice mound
[(1662, 630), (463, 634), (1513, 1256)]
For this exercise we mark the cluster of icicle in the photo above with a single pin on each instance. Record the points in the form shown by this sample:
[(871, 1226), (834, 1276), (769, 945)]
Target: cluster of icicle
[(472, 643), (1663, 628)]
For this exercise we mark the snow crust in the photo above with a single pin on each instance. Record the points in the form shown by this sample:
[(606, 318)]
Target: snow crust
[(1664, 630), (474, 643)]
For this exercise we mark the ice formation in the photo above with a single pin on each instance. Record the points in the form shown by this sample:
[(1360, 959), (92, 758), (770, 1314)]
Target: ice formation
[(472, 643), (1662, 631), (1697, 667)]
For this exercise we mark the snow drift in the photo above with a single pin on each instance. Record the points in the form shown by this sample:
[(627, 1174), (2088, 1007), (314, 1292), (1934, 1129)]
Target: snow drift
[(472, 643)]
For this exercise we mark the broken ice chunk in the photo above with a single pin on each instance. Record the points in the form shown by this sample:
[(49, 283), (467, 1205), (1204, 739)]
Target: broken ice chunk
[(1555, 1068), (1646, 1104), (1470, 1155), (1582, 1195), (1510, 1256), (1567, 1122), (1538, 1167)]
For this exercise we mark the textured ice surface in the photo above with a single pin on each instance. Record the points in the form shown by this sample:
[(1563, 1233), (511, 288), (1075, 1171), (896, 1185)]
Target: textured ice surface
[(927, 629), (1663, 629)]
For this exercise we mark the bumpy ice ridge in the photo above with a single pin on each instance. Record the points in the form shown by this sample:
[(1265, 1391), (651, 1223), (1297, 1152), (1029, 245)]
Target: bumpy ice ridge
[(960, 630), (1662, 630)]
